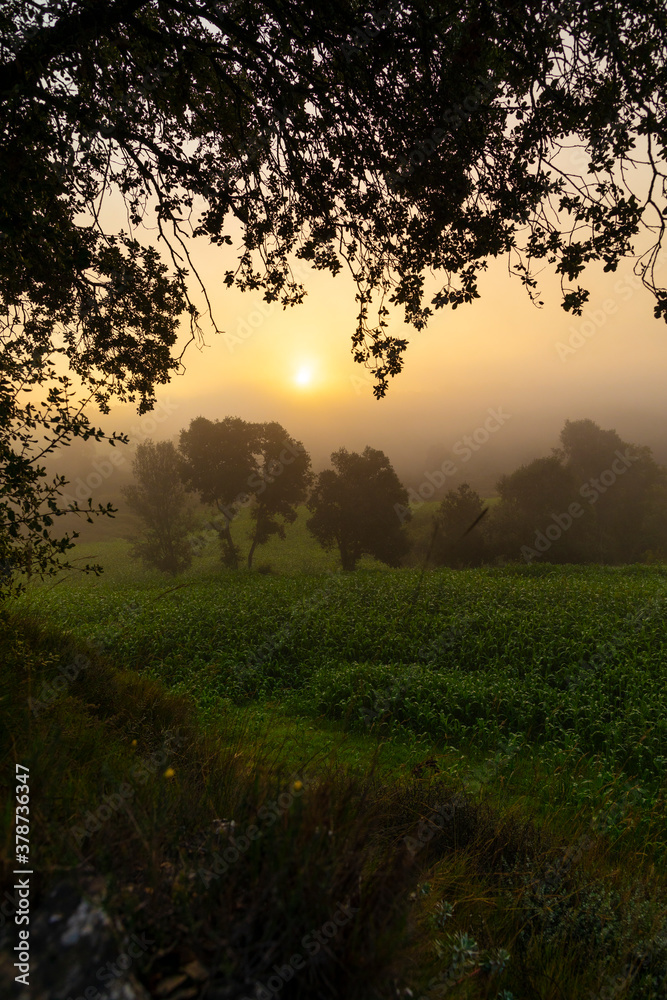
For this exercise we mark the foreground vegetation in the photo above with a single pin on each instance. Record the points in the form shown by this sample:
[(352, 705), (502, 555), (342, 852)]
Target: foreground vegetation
[(568, 661), (473, 762)]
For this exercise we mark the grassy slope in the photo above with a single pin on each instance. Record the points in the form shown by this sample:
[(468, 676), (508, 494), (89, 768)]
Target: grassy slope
[(446, 884), (567, 928)]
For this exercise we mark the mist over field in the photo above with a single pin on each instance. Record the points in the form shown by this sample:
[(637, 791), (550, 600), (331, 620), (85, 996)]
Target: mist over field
[(475, 445), (502, 354)]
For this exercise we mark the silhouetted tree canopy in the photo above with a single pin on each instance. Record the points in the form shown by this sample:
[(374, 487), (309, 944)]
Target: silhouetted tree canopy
[(597, 498), (217, 462), (355, 506), (281, 482), (530, 498), (455, 544), (234, 464), (621, 487), (425, 138)]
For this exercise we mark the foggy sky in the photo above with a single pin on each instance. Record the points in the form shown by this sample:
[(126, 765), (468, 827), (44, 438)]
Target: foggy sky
[(536, 367)]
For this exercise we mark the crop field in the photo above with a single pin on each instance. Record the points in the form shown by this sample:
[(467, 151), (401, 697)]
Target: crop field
[(566, 663)]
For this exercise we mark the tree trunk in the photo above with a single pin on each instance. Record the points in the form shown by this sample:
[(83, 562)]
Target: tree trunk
[(347, 558), (232, 559), (252, 551)]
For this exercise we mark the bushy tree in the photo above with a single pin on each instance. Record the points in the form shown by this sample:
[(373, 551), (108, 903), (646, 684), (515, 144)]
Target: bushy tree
[(530, 499), (619, 485), (159, 500), (280, 481), (457, 543), (30, 500), (236, 464), (217, 461), (354, 508), (595, 499), (655, 524)]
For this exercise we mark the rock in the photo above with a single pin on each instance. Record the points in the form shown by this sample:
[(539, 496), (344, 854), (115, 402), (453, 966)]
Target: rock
[(73, 946)]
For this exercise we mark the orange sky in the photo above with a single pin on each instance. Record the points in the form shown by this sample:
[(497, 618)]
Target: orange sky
[(542, 366)]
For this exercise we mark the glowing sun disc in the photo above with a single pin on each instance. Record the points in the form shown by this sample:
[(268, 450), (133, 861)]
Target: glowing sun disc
[(304, 376)]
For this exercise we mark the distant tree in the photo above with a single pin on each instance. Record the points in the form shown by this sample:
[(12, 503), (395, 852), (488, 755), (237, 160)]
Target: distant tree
[(619, 485), (235, 464), (217, 461), (595, 499), (586, 449), (280, 482), (532, 499), (455, 545), (655, 524), (161, 503), (353, 508)]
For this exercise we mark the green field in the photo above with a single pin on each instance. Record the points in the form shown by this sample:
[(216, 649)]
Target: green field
[(535, 691), (563, 661)]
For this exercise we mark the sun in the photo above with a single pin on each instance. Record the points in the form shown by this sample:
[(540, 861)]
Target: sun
[(304, 376)]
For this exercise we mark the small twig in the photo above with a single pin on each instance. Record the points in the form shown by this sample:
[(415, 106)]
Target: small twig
[(171, 590), (430, 549)]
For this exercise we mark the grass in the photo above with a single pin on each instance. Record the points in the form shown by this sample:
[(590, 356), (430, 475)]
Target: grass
[(568, 660), (492, 811)]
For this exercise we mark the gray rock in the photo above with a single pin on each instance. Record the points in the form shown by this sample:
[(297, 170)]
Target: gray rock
[(76, 952)]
